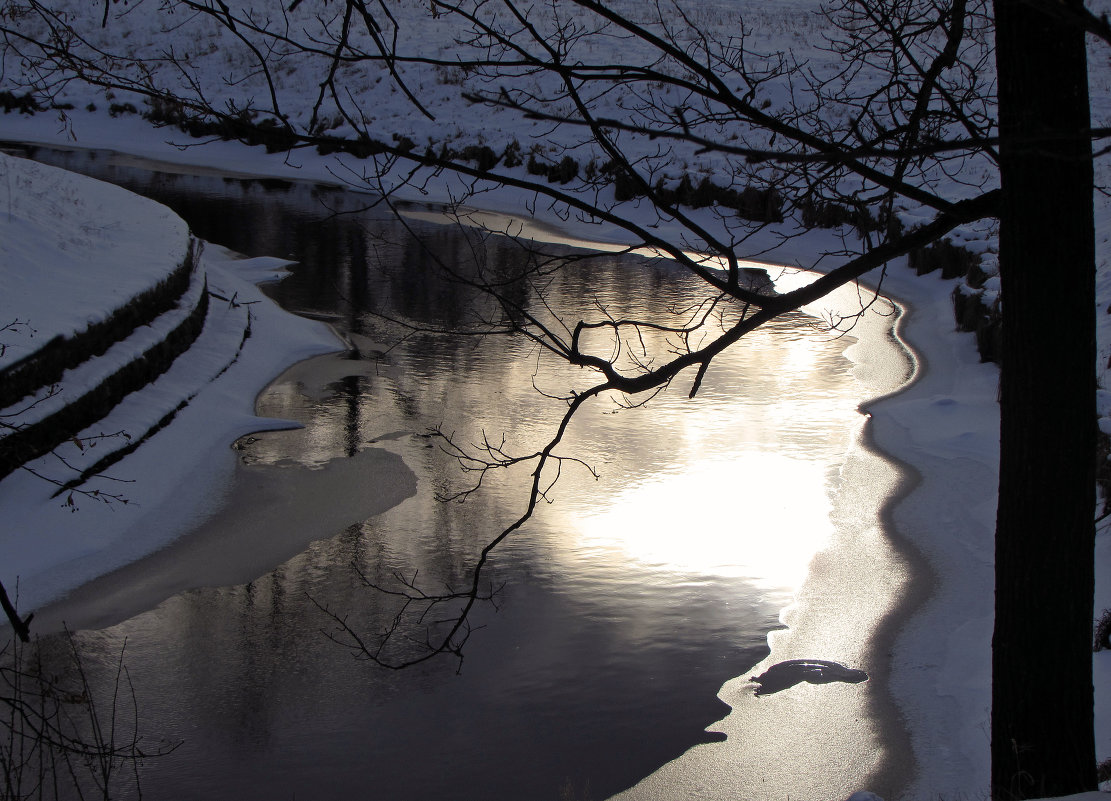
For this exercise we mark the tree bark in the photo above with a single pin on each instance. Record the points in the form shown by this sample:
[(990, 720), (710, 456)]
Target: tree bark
[(1041, 734)]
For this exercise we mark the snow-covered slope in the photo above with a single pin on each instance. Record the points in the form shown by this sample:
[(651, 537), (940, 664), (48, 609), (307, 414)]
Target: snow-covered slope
[(63, 240)]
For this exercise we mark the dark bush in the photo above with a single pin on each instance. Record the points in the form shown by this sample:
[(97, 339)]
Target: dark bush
[(512, 155), (364, 147), (665, 196), (567, 170), (536, 167), (625, 186), (969, 309), (327, 145), (166, 111), (976, 276), (481, 155), (24, 104), (825, 214), (828, 214), (760, 205), (972, 314), (953, 261), (275, 136), (116, 109)]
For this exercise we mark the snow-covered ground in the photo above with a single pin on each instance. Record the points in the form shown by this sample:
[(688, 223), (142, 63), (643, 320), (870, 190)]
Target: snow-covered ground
[(945, 426)]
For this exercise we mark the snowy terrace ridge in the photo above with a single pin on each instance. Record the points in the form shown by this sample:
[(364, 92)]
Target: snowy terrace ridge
[(30, 440), (47, 365), (111, 283)]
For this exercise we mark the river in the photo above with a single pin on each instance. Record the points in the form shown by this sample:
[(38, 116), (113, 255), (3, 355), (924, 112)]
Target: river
[(627, 603)]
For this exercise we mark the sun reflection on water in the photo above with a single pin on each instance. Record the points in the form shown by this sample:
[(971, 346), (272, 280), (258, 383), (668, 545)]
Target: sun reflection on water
[(775, 518)]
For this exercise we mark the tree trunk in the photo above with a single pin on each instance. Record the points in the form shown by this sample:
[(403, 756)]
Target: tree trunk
[(1041, 734)]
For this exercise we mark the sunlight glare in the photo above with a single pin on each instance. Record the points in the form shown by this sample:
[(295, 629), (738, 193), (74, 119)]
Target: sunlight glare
[(759, 515)]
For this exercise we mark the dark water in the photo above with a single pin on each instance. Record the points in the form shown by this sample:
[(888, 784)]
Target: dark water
[(627, 603)]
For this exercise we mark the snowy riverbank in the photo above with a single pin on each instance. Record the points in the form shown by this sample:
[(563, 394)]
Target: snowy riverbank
[(69, 249)]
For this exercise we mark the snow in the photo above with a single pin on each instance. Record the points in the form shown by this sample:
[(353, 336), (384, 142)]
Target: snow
[(944, 425), (58, 279)]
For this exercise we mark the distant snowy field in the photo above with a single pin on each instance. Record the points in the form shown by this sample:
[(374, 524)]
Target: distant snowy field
[(942, 666)]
